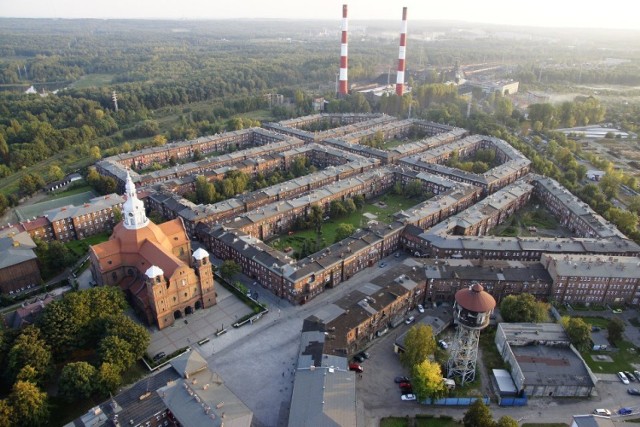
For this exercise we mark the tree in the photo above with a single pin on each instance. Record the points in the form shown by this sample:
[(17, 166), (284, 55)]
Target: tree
[(116, 351), (343, 231), (478, 415), (507, 421), (6, 413), (337, 209), (349, 206), (523, 308), (316, 217), (77, 380), (55, 173), (427, 380), (615, 328), (29, 348), (94, 153), (30, 183), (359, 201), (159, 140), (229, 268), (117, 215), (108, 378), (124, 327), (29, 404), (579, 332), (419, 345)]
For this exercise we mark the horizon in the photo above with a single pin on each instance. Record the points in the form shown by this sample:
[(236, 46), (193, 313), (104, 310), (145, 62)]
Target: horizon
[(545, 14)]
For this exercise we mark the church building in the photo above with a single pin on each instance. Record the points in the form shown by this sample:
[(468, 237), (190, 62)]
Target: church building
[(154, 265)]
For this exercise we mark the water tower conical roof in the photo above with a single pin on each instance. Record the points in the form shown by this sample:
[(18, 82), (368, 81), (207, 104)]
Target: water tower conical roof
[(475, 299)]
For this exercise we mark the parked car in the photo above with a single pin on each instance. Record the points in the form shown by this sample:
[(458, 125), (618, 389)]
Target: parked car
[(630, 376), (363, 354), (399, 380), (382, 265), (637, 375), (625, 411), (604, 412), (443, 344), (358, 358), (420, 308), (159, 356), (406, 390), (617, 310), (405, 384), (623, 378), (409, 320), (408, 397), (595, 329), (633, 391), (356, 367)]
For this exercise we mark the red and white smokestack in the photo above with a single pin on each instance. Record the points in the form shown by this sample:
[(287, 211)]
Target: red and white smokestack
[(343, 90), (402, 54)]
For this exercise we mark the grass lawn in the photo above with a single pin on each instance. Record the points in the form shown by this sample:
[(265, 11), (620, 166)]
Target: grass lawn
[(393, 203), (436, 422), (490, 355), (92, 80), (75, 189), (394, 422), (393, 144), (80, 247), (625, 355)]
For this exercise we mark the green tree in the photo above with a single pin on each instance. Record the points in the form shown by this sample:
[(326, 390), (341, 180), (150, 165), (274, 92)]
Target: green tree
[(359, 201), (29, 348), (419, 345), (349, 206), (316, 216), (29, 404), (55, 173), (95, 153), (343, 231), (159, 140), (337, 209), (108, 378), (426, 380), (523, 308), (126, 328), (615, 328), (77, 380), (229, 268), (478, 415), (507, 421), (117, 351), (413, 189), (117, 215), (6, 414), (59, 327), (579, 332)]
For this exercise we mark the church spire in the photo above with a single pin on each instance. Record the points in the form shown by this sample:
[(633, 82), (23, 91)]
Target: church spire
[(134, 215)]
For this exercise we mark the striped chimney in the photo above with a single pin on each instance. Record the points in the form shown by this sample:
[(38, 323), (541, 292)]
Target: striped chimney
[(402, 54), (343, 90)]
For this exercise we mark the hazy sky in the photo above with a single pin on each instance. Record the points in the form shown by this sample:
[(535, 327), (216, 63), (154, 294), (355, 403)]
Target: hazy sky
[(616, 14)]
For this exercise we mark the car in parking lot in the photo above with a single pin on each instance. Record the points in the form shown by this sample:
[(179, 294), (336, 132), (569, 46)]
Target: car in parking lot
[(625, 411), (637, 375), (358, 358), (617, 310), (420, 308), (159, 356), (443, 344), (408, 397), (595, 328), (630, 376), (409, 320), (604, 412), (356, 367), (633, 391), (382, 265), (363, 354), (399, 380), (623, 378)]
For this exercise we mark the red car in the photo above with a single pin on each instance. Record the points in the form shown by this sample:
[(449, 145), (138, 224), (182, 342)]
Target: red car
[(405, 384), (356, 367)]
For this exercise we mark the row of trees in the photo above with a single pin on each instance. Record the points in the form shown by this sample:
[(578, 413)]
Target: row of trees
[(83, 343)]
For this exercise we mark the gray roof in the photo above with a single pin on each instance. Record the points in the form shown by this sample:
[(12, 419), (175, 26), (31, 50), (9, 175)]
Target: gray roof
[(593, 265), (14, 252), (592, 421)]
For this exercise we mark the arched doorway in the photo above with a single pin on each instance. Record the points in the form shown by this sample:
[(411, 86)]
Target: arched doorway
[(198, 305), (188, 310), (177, 314)]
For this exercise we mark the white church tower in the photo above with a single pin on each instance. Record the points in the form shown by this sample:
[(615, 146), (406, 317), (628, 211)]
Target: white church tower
[(133, 209)]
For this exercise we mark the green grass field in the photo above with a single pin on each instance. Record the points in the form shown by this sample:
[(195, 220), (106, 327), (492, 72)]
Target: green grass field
[(80, 247), (623, 354), (393, 203), (92, 80)]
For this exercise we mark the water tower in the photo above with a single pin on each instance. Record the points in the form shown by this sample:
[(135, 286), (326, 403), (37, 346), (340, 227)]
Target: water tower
[(472, 312)]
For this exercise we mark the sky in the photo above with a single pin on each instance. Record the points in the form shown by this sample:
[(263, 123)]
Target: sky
[(613, 14)]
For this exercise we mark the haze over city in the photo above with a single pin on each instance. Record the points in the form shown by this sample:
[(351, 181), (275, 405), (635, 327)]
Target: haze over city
[(616, 14)]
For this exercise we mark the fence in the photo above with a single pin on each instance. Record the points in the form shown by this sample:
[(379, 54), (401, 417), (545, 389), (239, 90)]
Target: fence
[(513, 401), (455, 401)]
